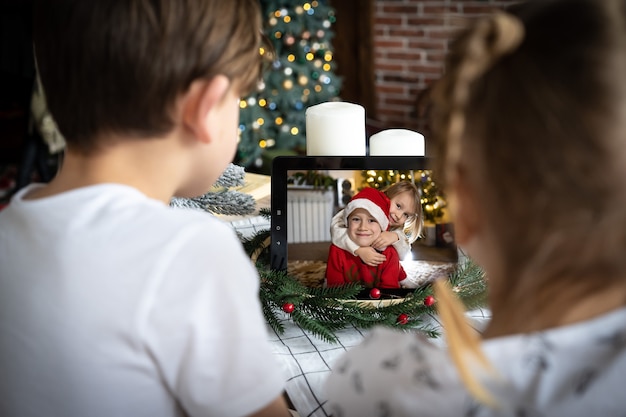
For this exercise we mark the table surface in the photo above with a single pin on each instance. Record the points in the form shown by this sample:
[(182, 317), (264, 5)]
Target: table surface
[(307, 360)]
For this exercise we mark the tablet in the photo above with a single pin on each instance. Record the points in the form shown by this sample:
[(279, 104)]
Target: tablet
[(307, 191)]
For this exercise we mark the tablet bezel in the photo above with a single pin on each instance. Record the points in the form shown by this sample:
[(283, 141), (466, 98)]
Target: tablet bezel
[(282, 164)]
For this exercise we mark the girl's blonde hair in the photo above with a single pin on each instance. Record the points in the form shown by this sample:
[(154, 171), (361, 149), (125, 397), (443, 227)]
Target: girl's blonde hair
[(531, 116), (413, 225), (474, 52)]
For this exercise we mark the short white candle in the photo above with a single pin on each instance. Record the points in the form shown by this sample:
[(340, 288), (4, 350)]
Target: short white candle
[(397, 142), (335, 129)]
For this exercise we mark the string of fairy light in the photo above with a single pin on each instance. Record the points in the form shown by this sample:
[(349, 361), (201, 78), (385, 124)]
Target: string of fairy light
[(433, 202), (300, 74)]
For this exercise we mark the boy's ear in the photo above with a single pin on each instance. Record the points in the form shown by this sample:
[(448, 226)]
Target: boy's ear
[(203, 97)]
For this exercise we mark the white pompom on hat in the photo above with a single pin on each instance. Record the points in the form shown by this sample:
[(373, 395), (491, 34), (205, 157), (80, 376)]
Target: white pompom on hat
[(372, 200)]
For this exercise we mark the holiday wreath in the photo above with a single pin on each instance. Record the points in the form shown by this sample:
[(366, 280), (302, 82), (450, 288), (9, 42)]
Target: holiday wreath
[(323, 311)]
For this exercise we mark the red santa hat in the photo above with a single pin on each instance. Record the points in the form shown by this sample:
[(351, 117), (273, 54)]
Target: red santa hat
[(372, 200)]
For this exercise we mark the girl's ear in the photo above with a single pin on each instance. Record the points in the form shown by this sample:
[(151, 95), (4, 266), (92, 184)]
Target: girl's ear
[(203, 97)]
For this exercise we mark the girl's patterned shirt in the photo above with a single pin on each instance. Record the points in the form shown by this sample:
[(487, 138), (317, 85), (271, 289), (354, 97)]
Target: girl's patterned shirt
[(569, 371)]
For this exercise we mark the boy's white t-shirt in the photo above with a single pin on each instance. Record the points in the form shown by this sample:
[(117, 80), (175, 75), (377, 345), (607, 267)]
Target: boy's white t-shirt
[(571, 371), (114, 304)]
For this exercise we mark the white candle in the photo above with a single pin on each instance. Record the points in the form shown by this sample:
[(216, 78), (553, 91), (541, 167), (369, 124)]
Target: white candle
[(335, 129), (397, 142)]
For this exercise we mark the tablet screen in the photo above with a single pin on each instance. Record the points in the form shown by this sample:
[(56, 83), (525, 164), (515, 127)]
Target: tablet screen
[(308, 191)]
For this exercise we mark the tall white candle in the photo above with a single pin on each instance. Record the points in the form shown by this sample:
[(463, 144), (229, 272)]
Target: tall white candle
[(397, 142), (335, 129)]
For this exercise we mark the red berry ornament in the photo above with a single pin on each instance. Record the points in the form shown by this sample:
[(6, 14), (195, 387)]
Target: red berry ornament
[(429, 300), (375, 293), (402, 319), (288, 308)]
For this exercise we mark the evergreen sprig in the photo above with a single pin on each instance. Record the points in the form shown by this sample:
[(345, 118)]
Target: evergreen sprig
[(324, 311), (222, 200), (469, 283)]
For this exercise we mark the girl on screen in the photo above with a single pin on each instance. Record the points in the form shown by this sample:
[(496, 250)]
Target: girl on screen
[(530, 121)]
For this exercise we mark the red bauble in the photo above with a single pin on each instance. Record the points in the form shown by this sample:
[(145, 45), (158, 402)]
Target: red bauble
[(429, 300), (288, 308), (375, 293), (402, 319)]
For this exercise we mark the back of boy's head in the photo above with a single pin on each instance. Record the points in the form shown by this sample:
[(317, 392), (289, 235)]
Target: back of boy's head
[(531, 116), (116, 67), (375, 202)]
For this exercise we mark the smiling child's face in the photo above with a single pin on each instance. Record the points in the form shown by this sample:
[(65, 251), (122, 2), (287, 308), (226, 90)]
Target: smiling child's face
[(401, 209), (363, 229)]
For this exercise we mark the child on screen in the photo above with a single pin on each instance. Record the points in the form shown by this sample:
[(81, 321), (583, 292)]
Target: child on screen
[(366, 217), (405, 223)]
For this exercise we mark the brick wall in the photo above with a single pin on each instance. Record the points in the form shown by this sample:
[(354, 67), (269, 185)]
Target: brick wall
[(410, 41)]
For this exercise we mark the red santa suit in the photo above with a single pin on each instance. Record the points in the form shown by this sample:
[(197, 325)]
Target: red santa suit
[(344, 268)]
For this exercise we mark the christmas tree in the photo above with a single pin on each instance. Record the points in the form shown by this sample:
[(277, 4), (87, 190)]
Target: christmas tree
[(301, 75)]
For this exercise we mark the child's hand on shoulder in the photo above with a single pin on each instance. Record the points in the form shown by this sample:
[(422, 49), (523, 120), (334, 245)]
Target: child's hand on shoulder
[(385, 239), (369, 256)]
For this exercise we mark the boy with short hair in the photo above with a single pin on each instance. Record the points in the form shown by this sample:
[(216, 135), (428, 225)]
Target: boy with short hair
[(113, 303), (366, 216)]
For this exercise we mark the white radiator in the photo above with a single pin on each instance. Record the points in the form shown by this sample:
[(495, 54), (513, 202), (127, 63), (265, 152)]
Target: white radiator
[(309, 213)]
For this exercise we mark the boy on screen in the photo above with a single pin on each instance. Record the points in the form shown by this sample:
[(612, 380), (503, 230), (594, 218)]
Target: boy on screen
[(366, 217)]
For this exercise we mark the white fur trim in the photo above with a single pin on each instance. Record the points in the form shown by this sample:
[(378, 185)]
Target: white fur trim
[(373, 208)]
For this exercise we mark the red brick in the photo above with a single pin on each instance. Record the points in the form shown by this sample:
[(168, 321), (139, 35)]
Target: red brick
[(390, 43), (399, 8), (425, 20), (392, 89), (429, 44), (407, 32), (387, 66), (440, 9), (403, 56), (388, 20)]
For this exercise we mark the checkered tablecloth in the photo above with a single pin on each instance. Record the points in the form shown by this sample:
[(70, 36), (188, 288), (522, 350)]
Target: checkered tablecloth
[(307, 360)]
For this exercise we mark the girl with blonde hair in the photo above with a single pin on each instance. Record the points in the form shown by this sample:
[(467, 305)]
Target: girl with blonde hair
[(530, 123)]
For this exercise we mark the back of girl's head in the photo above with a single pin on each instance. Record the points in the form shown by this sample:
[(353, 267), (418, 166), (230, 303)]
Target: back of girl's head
[(117, 66), (531, 116), (413, 226)]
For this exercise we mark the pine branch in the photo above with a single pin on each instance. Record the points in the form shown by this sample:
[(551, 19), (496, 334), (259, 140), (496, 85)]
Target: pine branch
[(268, 309), (233, 176), (468, 281), (323, 311), (256, 248), (226, 202), (321, 330)]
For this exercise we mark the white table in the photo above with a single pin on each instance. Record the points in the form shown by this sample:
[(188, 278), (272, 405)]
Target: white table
[(307, 360)]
